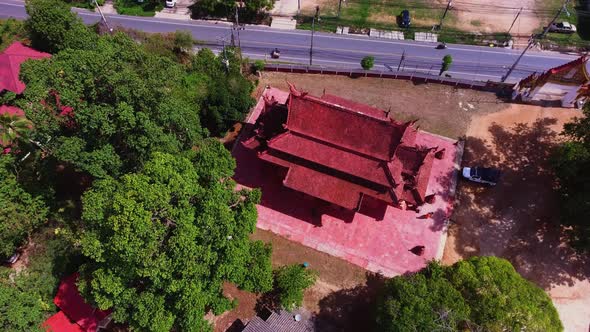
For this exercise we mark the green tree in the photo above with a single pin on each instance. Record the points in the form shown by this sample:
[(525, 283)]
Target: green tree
[(368, 62), (13, 127), (290, 282), (446, 63), (183, 41), (226, 8), (228, 97), (571, 163), (53, 27), (22, 310), (126, 104), (20, 212), (482, 293), (161, 241), (11, 30)]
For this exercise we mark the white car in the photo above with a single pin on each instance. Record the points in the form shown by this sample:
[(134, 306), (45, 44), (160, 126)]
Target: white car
[(170, 3), (483, 175), (13, 259)]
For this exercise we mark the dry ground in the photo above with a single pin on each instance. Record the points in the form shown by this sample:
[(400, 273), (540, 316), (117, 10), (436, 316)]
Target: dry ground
[(518, 219), (515, 220), (441, 109), (481, 16), (496, 16)]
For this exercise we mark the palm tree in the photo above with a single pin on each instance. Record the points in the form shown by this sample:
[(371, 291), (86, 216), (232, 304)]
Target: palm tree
[(13, 127)]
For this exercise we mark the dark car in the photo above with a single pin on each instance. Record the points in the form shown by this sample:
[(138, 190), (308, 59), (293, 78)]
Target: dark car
[(404, 19), (485, 175)]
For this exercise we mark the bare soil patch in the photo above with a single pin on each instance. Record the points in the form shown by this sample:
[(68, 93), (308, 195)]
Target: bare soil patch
[(441, 109), (519, 218), (497, 16)]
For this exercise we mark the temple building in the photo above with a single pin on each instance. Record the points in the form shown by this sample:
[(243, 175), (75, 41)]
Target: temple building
[(342, 152), (566, 85)]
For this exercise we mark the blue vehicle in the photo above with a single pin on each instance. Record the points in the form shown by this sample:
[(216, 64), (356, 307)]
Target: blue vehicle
[(405, 19)]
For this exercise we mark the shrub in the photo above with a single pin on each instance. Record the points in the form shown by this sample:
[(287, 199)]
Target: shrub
[(258, 65), (290, 282), (368, 62), (446, 63)]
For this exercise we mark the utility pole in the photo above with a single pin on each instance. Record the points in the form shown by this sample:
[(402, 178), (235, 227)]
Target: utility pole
[(339, 7), (311, 45), (102, 15), (517, 14), (449, 4), (401, 60), (317, 10), (532, 42)]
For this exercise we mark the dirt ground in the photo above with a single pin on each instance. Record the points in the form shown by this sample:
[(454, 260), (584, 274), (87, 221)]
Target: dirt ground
[(497, 16), (480, 16), (518, 219), (440, 109)]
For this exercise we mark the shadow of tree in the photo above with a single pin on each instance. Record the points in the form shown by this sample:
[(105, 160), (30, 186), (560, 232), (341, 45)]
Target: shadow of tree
[(350, 309), (518, 218)]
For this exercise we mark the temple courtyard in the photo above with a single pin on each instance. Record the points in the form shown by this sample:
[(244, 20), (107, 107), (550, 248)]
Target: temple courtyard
[(516, 220)]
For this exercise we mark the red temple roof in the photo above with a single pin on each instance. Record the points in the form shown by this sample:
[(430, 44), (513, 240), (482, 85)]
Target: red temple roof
[(61, 323), (339, 151), (72, 305), (10, 62)]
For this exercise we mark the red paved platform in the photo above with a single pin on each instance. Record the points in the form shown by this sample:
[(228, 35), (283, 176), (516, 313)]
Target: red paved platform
[(379, 246)]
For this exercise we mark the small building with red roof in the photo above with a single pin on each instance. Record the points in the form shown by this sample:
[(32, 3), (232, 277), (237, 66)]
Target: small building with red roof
[(566, 85), (76, 315), (345, 153), (11, 60)]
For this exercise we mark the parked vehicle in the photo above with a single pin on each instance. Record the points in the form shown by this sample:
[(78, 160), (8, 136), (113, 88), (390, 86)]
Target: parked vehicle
[(275, 54), (405, 20), (562, 27), (12, 259), (485, 175), (170, 3)]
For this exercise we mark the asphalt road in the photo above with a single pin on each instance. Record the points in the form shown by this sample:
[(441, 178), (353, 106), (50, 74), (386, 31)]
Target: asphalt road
[(471, 62)]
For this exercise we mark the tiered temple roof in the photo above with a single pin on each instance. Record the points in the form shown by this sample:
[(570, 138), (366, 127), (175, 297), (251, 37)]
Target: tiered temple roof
[(341, 151)]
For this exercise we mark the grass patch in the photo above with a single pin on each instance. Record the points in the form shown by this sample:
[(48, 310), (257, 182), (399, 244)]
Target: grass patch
[(133, 8), (476, 23), (380, 13)]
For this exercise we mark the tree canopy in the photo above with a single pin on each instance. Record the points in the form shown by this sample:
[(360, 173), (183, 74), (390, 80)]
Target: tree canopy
[(572, 162), (125, 103), (20, 211), (291, 281), (52, 27), (228, 92), (161, 241), (482, 293)]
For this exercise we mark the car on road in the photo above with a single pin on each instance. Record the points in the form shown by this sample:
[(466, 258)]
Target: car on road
[(562, 27), (170, 3), (485, 175), (404, 19)]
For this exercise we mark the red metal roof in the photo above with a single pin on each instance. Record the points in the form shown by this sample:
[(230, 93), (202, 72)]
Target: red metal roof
[(10, 62), (12, 110), (61, 323), (335, 151), (343, 127), (72, 304)]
